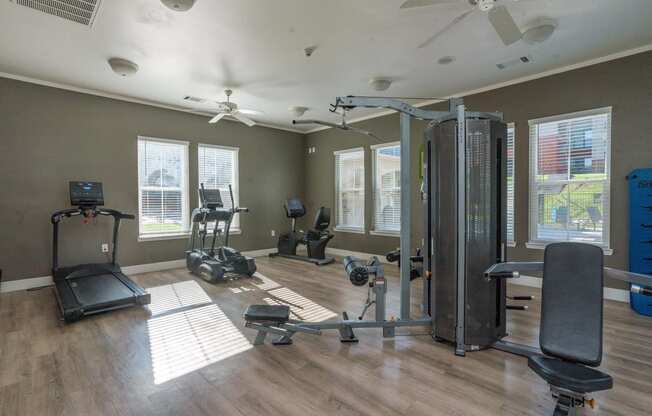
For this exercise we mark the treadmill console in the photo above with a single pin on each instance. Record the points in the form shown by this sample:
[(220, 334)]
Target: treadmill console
[(86, 194)]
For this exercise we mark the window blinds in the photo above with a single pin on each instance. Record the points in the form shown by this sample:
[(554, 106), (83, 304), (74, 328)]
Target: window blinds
[(569, 177), (349, 189), (387, 188), (162, 186), (218, 168)]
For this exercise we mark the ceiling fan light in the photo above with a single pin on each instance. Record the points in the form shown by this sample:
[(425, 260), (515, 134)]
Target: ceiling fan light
[(485, 5), (380, 84)]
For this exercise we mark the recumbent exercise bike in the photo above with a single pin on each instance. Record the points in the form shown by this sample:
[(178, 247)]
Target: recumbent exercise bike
[(315, 239)]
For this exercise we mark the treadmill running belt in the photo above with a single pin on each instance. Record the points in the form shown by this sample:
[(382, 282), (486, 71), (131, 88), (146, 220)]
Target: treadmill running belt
[(99, 289)]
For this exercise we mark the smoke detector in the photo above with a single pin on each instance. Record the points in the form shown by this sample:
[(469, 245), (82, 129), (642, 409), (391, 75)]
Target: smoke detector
[(123, 67), (380, 84), (179, 5), (298, 111), (539, 30)]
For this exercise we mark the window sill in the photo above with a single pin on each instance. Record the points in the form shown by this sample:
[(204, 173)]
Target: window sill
[(537, 245), (161, 237), (349, 230), (511, 244), (396, 234)]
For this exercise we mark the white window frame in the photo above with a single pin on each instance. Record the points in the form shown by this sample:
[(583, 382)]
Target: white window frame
[(512, 242), (535, 243), (235, 226), (185, 193), (374, 157), (344, 228)]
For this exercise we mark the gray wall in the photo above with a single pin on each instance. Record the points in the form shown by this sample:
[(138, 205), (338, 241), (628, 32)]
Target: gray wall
[(624, 84), (50, 136)]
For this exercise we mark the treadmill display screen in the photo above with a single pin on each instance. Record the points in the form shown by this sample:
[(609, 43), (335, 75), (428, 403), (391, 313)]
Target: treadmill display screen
[(86, 194)]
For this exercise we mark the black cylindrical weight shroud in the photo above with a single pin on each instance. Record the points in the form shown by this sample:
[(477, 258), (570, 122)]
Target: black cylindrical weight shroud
[(357, 271)]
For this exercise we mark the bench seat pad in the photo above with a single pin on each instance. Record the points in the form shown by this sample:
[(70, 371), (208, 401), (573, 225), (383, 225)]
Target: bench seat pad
[(570, 376), (267, 313)]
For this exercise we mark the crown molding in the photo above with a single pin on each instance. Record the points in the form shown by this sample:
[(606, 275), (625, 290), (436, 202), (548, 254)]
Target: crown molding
[(128, 99), (555, 71)]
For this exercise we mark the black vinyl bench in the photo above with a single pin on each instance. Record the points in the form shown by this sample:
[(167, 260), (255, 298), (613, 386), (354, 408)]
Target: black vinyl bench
[(571, 325), (275, 320)]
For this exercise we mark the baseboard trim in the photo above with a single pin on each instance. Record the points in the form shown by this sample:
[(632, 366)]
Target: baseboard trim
[(618, 295), (259, 253), (25, 284), (153, 267), (35, 282), (363, 256)]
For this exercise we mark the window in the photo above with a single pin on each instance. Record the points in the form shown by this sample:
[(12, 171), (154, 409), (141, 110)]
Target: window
[(218, 168), (569, 177), (511, 240), (387, 188), (162, 187), (349, 189)]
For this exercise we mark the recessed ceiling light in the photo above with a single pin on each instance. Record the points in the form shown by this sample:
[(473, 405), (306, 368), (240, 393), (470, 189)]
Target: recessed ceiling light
[(539, 31), (445, 60), (298, 111), (380, 84), (123, 67), (179, 5)]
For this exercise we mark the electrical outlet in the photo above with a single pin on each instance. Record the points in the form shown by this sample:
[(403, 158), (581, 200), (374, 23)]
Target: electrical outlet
[(105, 248), (273, 233)]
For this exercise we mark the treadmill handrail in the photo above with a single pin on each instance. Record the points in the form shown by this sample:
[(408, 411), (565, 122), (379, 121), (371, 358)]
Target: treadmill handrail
[(71, 212)]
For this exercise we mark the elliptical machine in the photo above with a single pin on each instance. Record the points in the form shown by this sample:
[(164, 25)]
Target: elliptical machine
[(215, 264), (315, 239)]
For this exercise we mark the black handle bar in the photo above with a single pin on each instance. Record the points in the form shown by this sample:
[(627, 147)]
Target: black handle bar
[(94, 211)]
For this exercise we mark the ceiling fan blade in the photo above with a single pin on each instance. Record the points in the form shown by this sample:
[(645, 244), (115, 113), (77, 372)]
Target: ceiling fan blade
[(217, 118), (504, 24), (445, 29), (241, 118), (250, 112), (322, 123), (409, 4)]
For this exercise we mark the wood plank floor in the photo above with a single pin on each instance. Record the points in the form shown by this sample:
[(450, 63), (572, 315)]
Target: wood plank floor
[(190, 355)]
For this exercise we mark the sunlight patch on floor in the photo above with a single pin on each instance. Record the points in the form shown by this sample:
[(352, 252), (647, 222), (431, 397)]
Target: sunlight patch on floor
[(300, 308), (241, 289), (174, 296), (186, 341), (267, 284)]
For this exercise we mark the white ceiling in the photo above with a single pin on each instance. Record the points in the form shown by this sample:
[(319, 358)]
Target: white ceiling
[(256, 48)]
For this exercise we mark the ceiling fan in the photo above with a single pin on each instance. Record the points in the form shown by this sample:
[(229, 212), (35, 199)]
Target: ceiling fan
[(498, 15), (342, 126), (229, 108)]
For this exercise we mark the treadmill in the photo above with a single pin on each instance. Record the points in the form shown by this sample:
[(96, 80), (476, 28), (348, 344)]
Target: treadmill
[(87, 289)]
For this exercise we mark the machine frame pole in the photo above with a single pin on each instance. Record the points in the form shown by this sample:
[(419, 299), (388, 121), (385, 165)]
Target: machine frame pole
[(406, 217), (460, 322)]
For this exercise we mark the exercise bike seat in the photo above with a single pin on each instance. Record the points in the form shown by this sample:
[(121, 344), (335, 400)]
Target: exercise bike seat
[(569, 375), (267, 313)]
